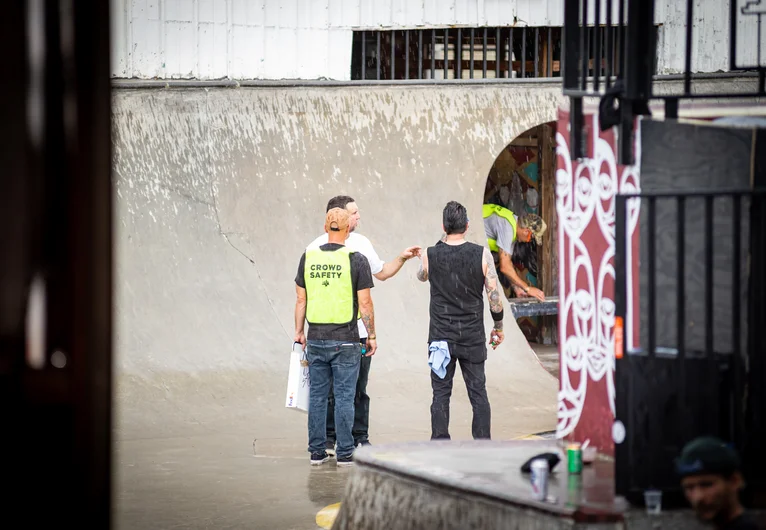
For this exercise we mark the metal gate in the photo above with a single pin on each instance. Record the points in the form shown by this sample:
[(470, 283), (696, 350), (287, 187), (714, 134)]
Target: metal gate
[(667, 394)]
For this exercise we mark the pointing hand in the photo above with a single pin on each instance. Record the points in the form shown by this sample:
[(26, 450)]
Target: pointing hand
[(410, 252)]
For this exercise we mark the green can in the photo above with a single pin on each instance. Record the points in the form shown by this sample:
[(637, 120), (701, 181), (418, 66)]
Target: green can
[(574, 458)]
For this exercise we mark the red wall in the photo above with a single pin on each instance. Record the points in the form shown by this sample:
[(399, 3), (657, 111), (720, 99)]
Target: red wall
[(585, 206)]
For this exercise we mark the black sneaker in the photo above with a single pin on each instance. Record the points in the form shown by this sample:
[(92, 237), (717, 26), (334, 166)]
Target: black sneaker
[(363, 443), (317, 459), (344, 461), (330, 448)]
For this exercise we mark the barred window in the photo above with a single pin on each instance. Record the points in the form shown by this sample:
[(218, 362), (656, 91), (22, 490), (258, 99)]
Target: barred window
[(470, 53)]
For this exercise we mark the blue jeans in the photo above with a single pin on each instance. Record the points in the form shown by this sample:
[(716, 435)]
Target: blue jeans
[(335, 363)]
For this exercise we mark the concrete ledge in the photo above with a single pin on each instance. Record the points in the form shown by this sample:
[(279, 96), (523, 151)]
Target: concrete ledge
[(479, 485)]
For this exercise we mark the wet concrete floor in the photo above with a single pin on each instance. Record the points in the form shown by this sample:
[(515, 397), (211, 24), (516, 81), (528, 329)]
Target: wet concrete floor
[(227, 481), (217, 482)]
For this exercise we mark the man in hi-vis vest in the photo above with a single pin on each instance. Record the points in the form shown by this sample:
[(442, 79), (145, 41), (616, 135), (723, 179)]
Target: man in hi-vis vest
[(504, 231), (333, 288), (382, 271)]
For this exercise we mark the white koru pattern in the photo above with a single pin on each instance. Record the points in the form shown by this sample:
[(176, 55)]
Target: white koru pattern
[(585, 197)]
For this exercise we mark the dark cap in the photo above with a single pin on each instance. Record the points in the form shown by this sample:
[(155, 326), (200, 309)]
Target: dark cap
[(707, 455)]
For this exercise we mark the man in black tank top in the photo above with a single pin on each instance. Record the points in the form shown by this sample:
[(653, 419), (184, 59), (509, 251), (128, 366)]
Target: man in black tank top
[(459, 272)]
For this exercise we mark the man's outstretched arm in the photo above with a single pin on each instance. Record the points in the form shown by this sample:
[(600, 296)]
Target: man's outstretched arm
[(392, 267), (492, 287)]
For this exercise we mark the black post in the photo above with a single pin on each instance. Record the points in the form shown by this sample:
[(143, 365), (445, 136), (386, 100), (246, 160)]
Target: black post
[(609, 44), (420, 54), (433, 54), (523, 52), (622, 471), (364, 55), (576, 125), (57, 190), (510, 53), (470, 50), (393, 55), (569, 44), (446, 54), (584, 54), (689, 36), (681, 277), (549, 73), (640, 52), (597, 52), (737, 365), (498, 54), (407, 54), (681, 297), (651, 262), (459, 54)]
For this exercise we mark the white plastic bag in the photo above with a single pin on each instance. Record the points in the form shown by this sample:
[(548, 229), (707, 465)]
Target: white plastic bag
[(298, 382)]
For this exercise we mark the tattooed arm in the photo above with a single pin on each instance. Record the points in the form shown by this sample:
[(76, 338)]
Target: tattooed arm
[(492, 287), (368, 318), (423, 270), (507, 268)]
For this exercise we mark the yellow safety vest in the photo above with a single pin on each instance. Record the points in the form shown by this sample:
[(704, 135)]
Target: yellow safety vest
[(505, 213), (329, 290)]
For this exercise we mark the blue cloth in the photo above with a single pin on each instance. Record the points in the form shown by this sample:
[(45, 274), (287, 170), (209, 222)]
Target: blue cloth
[(438, 357), (335, 363)]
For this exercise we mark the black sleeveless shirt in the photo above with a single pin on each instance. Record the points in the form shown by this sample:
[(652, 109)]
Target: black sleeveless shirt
[(457, 295)]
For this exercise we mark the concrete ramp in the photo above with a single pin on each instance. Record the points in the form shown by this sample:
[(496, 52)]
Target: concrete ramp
[(218, 193)]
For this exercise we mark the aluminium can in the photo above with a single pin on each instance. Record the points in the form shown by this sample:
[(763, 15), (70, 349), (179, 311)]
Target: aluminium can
[(539, 469), (574, 458)]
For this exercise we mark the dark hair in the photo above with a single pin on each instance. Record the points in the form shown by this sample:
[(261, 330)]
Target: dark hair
[(455, 218), (525, 254), (339, 201)]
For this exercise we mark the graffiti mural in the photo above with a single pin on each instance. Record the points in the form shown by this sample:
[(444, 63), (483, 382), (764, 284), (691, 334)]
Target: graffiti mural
[(585, 191)]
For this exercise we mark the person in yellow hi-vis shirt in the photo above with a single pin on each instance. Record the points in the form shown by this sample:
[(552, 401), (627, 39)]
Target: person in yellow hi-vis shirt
[(504, 231), (333, 288)]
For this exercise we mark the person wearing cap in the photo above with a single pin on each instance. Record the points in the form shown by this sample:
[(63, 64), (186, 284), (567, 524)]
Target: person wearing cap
[(711, 479), (507, 235), (382, 271), (459, 273), (332, 288)]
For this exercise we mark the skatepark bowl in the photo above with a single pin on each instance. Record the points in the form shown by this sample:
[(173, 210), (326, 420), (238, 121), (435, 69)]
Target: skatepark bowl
[(217, 195)]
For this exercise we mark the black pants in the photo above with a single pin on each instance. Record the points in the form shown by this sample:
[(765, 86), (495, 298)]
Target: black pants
[(476, 384), (361, 407)]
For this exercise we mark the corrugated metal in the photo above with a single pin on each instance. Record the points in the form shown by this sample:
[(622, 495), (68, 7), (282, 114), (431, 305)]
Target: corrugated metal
[(310, 39), (710, 50)]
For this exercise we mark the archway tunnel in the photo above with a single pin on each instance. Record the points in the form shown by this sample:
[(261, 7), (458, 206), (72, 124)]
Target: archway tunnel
[(522, 181)]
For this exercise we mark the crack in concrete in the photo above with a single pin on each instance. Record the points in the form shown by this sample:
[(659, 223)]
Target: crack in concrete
[(225, 234)]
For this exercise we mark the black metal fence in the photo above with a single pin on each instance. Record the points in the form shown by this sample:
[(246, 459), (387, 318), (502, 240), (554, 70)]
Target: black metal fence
[(712, 246), (619, 63), (457, 53)]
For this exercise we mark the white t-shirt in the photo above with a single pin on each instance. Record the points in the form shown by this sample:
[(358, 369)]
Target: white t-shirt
[(356, 243)]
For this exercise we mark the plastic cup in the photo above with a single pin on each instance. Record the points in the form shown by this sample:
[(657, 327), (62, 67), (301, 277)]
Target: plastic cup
[(653, 501)]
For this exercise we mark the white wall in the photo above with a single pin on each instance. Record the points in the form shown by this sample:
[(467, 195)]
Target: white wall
[(311, 39), (282, 39)]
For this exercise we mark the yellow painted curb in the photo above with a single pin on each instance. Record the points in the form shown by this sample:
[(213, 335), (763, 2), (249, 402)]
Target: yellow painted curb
[(326, 516)]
